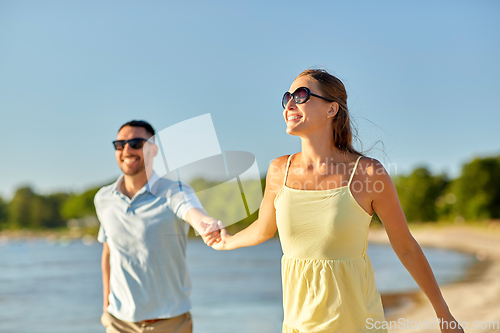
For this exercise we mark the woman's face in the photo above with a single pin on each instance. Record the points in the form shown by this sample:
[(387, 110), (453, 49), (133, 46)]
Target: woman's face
[(311, 115)]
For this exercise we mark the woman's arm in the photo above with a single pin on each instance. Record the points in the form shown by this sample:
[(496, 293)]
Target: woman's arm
[(385, 203), (265, 225)]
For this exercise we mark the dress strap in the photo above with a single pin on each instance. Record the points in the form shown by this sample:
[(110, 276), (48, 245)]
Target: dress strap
[(286, 171), (354, 171)]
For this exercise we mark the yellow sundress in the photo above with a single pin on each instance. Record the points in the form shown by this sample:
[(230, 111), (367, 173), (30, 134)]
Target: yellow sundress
[(328, 279)]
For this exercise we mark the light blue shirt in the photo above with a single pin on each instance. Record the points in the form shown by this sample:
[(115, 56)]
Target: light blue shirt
[(147, 239)]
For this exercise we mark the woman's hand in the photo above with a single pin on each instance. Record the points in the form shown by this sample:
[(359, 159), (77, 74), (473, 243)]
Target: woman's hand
[(449, 324), (224, 238)]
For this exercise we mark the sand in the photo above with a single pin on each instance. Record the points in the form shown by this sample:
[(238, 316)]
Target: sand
[(474, 301)]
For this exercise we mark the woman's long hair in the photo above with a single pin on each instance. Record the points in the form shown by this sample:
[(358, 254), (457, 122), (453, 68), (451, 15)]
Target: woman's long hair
[(334, 89)]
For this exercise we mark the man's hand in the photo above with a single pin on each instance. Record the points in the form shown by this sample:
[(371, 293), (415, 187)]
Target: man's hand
[(211, 232), (204, 225), (224, 238)]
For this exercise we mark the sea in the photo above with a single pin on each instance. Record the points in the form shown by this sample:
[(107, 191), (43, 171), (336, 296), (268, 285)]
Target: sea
[(56, 286)]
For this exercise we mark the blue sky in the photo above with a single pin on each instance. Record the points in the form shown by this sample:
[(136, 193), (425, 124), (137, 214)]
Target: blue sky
[(422, 76)]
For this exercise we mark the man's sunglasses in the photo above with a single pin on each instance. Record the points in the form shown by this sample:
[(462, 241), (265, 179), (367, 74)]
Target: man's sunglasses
[(300, 96), (135, 143)]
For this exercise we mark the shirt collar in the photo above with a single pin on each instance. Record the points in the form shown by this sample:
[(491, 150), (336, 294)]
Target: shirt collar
[(116, 184), (151, 181), (147, 187)]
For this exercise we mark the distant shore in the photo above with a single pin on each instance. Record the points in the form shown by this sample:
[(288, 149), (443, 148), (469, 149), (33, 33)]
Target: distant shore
[(61, 236), (473, 299)]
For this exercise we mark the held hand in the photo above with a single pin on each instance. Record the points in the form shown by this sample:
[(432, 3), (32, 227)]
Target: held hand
[(224, 238), (210, 233)]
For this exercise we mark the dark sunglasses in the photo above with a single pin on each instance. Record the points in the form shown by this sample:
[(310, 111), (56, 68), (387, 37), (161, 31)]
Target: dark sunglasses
[(300, 96), (135, 143)]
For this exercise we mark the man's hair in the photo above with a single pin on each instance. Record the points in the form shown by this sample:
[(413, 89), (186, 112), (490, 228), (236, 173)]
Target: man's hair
[(140, 123)]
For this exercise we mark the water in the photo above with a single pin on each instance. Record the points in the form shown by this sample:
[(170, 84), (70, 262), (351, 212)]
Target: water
[(55, 288)]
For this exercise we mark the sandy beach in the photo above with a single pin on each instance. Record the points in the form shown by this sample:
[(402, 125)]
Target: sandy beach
[(474, 301)]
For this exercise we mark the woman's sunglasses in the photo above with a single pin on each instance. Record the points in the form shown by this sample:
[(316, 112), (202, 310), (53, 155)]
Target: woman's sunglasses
[(135, 143), (300, 96)]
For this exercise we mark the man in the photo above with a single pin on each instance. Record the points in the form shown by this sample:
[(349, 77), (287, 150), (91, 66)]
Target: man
[(146, 283)]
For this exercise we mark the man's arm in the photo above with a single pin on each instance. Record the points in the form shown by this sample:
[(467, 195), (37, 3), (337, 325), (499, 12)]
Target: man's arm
[(105, 275), (205, 225)]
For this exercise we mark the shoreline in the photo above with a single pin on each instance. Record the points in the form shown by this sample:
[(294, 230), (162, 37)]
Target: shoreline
[(471, 299), (63, 236)]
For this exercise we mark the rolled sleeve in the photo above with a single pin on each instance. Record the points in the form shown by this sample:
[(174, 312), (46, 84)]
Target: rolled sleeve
[(101, 237), (183, 198)]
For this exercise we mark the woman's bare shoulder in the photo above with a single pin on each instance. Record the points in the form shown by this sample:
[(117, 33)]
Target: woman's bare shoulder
[(371, 166), (280, 162), (276, 173)]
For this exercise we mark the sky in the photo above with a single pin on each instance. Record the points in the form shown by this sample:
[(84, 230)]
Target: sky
[(423, 79)]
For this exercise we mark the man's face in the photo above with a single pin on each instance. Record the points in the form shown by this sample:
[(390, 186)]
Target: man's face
[(132, 161)]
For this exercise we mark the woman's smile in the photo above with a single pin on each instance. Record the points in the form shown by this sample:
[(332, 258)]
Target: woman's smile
[(294, 118)]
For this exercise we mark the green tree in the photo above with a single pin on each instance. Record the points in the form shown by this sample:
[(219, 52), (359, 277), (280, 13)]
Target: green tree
[(4, 214), (79, 205), (20, 208), (477, 189), (53, 203), (30, 210), (224, 200), (418, 193)]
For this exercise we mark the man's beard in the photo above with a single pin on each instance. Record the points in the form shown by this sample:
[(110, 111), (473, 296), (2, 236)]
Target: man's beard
[(135, 171)]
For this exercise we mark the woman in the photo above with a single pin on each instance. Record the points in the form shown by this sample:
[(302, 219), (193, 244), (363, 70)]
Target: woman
[(321, 200)]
